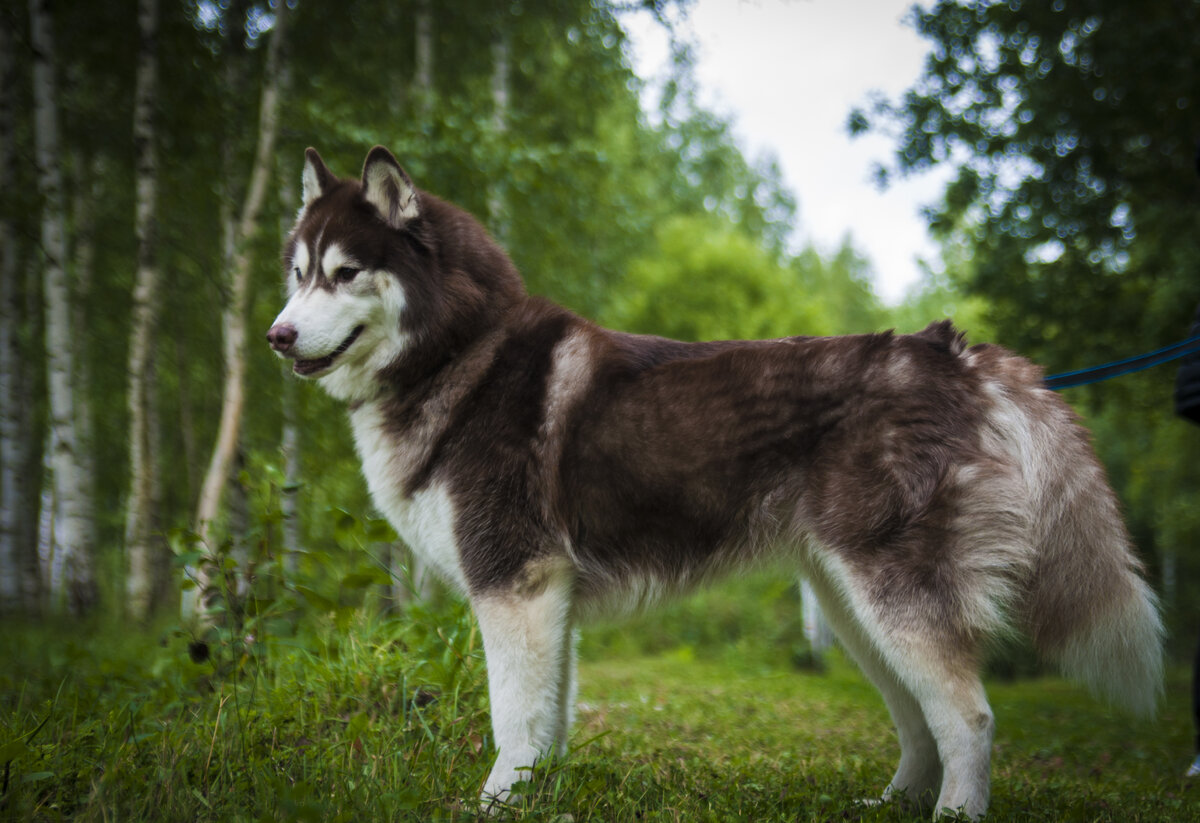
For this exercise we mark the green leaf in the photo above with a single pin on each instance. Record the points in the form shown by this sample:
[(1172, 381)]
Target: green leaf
[(191, 557), (12, 750), (379, 530)]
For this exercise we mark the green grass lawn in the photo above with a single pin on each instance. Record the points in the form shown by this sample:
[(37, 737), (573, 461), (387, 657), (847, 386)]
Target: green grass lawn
[(371, 720), (799, 746)]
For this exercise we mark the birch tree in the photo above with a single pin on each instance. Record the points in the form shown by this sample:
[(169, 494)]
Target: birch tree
[(233, 315), (73, 542), (423, 53), (501, 67), (289, 441), (289, 444), (144, 550), (83, 270)]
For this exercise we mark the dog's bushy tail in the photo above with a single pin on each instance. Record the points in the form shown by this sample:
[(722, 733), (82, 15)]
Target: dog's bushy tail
[(1089, 608)]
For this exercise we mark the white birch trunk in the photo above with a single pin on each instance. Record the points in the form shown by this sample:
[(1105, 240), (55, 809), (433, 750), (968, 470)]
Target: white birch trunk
[(49, 560), (73, 541), (423, 76), (84, 236), (289, 442), (233, 316), (501, 67), (141, 544)]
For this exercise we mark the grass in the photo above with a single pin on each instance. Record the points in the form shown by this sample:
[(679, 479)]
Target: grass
[(353, 718), (775, 745)]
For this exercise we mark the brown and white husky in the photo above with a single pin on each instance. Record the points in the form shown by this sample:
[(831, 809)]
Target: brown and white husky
[(936, 496)]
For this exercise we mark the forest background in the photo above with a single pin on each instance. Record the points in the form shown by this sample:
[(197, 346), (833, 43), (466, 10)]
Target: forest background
[(150, 160), (151, 445), (149, 168)]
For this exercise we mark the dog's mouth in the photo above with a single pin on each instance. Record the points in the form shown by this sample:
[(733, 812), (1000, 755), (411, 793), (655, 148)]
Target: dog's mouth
[(306, 368)]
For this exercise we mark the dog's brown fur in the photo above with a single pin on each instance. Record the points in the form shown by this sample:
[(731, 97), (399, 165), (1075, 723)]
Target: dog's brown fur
[(938, 496)]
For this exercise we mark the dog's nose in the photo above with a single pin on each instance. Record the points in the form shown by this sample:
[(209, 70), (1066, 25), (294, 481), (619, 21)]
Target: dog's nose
[(282, 337)]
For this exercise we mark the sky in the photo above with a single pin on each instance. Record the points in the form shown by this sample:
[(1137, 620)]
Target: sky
[(788, 73)]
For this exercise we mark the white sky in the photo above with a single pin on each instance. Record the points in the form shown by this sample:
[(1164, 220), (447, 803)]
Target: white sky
[(789, 73)]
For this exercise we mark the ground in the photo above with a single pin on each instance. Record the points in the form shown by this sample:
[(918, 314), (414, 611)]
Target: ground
[(387, 720)]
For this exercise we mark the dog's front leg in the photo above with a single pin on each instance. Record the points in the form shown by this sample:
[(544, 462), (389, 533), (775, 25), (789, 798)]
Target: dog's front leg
[(526, 640)]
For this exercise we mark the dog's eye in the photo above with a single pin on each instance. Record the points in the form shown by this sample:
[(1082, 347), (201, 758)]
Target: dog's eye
[(299, 274), (344, 274)]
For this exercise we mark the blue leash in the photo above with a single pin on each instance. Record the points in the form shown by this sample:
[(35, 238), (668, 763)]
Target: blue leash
[(1082, 377)]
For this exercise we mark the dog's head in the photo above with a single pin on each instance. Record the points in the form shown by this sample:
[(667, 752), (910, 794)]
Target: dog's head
[(378, 272)]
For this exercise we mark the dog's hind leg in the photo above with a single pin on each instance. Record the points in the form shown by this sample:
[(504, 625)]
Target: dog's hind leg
[(919, 774), (526, 640), (904, 638), (958, 715), (943, 679)]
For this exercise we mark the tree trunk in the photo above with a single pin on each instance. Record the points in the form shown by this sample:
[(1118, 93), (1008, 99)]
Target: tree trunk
[(49, 559), (187, 420), (423, 76), (289, 442), (84, 265), (145, 549), (10, 573), (501, 67), (33, 436), (10, 431), (72, 538), (233, 316), (20, 581)]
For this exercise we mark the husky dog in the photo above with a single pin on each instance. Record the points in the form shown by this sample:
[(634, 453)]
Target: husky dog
[(937, 496)]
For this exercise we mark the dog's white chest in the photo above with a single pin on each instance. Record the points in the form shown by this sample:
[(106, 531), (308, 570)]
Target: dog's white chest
[(425, 521)]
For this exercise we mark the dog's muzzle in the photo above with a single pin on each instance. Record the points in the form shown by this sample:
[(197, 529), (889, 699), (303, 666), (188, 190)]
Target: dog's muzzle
[(283, 336)]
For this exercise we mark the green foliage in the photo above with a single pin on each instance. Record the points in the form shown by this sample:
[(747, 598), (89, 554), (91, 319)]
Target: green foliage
[(1074, 124), (752, 620), (574, 178), (258, 586), (707, 279), (936, 297), (839, 288)]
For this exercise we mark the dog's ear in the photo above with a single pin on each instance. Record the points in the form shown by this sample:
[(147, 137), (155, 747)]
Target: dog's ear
[(388, 189), (316, 179)]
